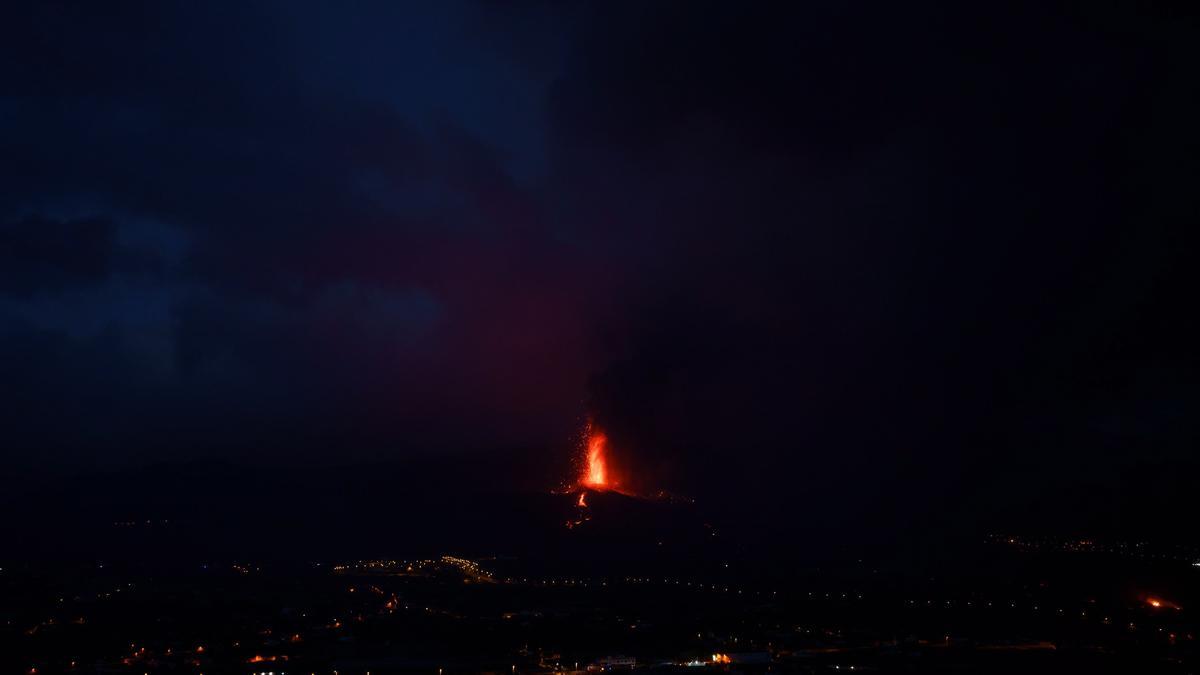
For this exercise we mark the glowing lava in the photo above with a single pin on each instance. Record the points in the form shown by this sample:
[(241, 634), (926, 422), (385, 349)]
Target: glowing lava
[(1160, 603), (594, 473), (598, 469), (595, 470)]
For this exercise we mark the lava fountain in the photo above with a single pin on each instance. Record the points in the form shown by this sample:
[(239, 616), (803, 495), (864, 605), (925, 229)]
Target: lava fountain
[(593, 473), (597, 472), (595, 468)]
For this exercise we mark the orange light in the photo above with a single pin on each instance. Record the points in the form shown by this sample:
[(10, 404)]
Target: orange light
[(1161, 603), (721, 658), (596, 471)]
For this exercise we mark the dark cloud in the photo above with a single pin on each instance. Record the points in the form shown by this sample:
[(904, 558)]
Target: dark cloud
[(870, 241), (43, 255)]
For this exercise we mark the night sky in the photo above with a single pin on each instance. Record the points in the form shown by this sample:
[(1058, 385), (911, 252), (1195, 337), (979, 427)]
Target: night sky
[(842, 260)]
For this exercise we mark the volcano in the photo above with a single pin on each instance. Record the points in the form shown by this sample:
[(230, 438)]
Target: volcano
[(602, 503)]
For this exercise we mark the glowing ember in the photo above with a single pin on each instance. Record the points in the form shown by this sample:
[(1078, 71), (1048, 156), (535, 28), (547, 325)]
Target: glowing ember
[(1161, 603), (582, 503), (595, 470)]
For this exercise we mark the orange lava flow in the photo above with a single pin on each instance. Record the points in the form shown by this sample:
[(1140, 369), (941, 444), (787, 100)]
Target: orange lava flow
[(595, 471)]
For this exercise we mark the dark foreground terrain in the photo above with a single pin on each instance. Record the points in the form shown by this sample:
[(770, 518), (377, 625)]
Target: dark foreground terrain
[(1008, 605)]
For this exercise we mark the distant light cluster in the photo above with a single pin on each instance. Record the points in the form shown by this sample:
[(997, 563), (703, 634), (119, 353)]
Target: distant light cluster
[(1130, 549), (468, 568)]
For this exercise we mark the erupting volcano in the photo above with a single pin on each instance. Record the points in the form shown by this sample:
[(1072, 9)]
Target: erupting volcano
[(599, 469), (604, 482), (594, 471)]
